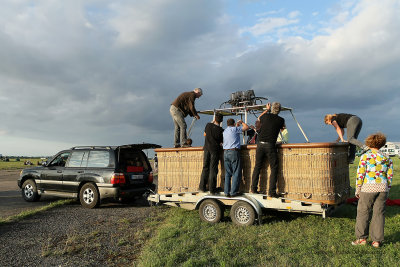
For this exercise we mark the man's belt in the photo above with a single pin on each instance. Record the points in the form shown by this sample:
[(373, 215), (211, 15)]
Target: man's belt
[(266, 143), (236, 149)]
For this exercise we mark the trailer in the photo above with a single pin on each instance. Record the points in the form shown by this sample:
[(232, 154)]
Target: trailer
[(244, 209), (313, 178)]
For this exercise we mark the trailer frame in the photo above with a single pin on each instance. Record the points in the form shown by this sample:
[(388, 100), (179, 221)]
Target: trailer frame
[(259, 203)]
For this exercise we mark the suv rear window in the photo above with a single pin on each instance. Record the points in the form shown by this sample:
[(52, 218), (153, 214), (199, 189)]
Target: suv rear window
[(133, 161), (99, 159)]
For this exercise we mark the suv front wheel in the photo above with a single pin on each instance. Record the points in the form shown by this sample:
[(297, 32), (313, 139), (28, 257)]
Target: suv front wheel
[(89, 196), (29, 191)]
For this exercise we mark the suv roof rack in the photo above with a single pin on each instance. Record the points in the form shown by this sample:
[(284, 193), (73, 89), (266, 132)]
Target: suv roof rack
[(91, 147)]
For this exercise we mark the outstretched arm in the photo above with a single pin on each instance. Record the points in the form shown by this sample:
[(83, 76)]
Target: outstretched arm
[(245, 127), (267, 109), (339, 130)]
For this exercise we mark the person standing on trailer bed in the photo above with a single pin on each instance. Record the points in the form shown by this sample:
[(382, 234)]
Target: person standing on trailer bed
[(353, 124), (213, 134), (271, 125), (182, 106), (231, 145)]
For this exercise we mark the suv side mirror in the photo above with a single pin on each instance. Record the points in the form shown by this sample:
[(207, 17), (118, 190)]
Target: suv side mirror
[(44, 163)]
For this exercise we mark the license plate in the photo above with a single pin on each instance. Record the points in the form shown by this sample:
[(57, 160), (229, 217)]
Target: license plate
[(137, 177)]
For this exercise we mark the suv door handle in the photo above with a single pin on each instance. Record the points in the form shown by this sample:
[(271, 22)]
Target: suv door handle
[(59, 171)]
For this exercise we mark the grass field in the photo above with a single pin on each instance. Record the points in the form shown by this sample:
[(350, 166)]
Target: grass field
[(283, 239), (13, 164)]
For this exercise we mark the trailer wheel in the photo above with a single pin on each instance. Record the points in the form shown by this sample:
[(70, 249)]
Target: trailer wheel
[(242, 213), (210, 211)]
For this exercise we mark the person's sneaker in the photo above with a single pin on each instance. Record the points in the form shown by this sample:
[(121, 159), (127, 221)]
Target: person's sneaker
[(376, 244), (358, 242), (177, 146), (185, 145)]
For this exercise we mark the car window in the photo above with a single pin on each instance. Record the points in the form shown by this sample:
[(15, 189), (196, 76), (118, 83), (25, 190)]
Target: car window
[(78, 159), (98, 159), (133, 160), (60, 160)]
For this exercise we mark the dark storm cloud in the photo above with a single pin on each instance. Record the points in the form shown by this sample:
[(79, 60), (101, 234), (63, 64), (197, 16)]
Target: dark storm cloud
[(95, 72)]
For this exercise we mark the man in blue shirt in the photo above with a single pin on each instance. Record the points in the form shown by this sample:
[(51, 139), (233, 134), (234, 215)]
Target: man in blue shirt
[(232, 164)]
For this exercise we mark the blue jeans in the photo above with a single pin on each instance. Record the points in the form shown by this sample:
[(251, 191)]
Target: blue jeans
[(232, 170), (180, 126)]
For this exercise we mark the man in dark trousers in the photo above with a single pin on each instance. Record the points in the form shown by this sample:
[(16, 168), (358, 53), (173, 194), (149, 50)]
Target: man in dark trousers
[(212, 151), (271, 124), (182, 106)]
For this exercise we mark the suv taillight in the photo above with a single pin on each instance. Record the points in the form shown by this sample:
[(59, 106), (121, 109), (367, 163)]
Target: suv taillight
[(118, 178), (151, 177)]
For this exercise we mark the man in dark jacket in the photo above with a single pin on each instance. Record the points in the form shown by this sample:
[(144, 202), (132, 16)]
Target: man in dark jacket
[(212, 151), (271, 124), (182, 106)]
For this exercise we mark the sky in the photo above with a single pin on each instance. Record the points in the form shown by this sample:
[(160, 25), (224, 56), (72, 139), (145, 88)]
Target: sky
[(105, 72)]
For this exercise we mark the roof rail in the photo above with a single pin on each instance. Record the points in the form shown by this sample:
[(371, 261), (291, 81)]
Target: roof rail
[(90, 147)]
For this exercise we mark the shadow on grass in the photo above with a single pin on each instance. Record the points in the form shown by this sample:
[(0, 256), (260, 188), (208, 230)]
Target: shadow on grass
[(109, 204)]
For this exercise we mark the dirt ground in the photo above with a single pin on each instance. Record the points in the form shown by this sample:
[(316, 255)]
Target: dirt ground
[(11, 201), (111, 235)]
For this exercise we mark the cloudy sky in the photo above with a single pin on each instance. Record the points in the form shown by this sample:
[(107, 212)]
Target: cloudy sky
[(105, 72)]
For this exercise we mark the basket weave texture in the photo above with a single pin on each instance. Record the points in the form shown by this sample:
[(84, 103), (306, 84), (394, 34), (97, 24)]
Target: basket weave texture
[(314, 172)]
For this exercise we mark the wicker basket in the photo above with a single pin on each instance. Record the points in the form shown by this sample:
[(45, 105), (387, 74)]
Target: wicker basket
[(315, 172)]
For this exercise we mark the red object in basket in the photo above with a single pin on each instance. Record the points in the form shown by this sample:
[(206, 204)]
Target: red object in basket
[(134, 169)]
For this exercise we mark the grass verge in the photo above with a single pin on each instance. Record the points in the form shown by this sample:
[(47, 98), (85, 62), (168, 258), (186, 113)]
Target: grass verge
[(16, 165), (283, 239), (29, 213), (115, 242)]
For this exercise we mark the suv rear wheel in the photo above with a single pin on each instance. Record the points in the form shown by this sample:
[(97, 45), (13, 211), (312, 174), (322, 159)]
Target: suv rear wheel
[(89, 196)]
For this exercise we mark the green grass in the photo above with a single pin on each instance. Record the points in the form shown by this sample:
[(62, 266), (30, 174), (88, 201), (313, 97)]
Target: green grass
[(14, 165), (29, 213), (283, 239)]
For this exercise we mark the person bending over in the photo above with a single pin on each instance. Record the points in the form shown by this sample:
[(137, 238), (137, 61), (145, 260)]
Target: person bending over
[(353, 124), (182, 106)]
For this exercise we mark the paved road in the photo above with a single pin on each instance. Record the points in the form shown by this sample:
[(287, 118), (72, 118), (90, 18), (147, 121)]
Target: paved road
[(11, 201)]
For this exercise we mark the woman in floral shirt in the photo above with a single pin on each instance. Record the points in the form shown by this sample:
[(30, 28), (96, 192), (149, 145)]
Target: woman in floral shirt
[(374, 178)]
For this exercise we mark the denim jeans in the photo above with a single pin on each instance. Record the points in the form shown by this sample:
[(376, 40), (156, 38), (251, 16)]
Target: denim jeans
[(266, 152), (210, 171), (232, 170), (180, 125)]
